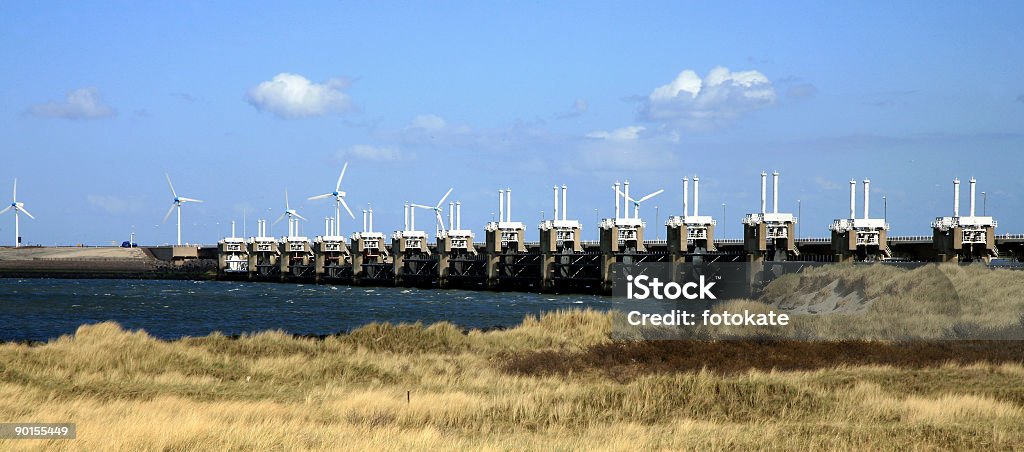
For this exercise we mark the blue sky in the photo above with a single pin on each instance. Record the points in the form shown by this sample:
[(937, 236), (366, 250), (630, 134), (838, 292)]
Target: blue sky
[(240, 103)]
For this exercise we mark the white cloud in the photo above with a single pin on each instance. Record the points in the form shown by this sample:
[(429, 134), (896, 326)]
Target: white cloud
[(686, 82), (433, 129), (824, 183), (293, 96), (620, 134), (368, 152), (719, 97), (82, 103), (430, 123)]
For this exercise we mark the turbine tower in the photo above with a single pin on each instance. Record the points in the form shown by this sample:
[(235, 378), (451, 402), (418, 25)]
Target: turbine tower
[(339, 201), (176, 204), (437, 211), (17, 207), (291, 214)]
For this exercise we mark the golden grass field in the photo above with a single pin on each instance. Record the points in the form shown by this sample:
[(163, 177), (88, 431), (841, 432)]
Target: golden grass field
[(553, 383)]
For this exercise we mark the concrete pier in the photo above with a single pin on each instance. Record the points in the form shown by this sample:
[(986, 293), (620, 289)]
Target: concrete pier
[(564, 265), (770, 236), (862, 239), (964, 238), (413, 261)]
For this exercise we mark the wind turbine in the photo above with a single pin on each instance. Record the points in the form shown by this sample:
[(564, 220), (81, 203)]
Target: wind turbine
[(636, 202), (339, 200), (289, 212), (437, 210), (178, 201), (18, 207)]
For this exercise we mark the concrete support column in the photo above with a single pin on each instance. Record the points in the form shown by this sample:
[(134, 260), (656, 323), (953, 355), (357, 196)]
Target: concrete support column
[(493, 248), (285, 261), (357, 261), (548, 249), (398, 259), (319, 260), (676, 238), (444, 254), (609, 249), (252, 264)]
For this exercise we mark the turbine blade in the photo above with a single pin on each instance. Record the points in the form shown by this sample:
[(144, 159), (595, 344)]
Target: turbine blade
[(345, 205), (645, 198), (444, 197), (624, 196), (299, 216), (337, 187), (323, 196), (5, 210), (168, 176), (286, 206), (190, 199), (169, 212), (22, 209), (421, 206), (15, 197), (440, 221), (278, 220)]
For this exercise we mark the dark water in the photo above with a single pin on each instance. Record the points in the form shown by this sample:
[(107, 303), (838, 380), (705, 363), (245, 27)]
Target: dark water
[(40, 309)]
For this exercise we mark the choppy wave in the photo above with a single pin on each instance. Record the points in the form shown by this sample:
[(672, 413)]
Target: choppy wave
[(41, 309)]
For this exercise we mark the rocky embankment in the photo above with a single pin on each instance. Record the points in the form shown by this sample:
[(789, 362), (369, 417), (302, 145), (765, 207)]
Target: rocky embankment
[(98, 262)]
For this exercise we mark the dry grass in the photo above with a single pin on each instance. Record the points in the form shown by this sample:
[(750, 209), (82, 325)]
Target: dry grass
[(935, 301), (271, 391), (879, 302)]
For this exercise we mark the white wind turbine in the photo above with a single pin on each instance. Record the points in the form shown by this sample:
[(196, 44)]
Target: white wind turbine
[(437, 210), (637, 202), (290, 213), (339, 201), (176, 204), (17, 207)]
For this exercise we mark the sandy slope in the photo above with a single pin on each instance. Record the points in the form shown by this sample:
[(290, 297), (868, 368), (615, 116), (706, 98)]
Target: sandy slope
[(33, 253)]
